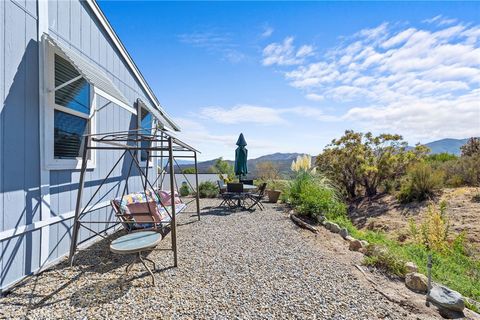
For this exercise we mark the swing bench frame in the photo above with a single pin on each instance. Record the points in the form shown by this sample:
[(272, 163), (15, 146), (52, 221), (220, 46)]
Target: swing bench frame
[(157, 143)]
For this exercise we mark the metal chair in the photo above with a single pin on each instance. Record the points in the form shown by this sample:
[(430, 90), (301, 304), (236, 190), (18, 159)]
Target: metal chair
[(258, 197), (235, 190)]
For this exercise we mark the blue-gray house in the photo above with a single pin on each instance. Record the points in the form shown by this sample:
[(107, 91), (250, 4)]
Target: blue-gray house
[(63, 73)]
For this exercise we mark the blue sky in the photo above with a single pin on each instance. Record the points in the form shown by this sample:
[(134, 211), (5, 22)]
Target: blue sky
[(293, 76)]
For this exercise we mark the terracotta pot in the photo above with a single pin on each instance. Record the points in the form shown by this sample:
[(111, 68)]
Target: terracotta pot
[(273, 195)]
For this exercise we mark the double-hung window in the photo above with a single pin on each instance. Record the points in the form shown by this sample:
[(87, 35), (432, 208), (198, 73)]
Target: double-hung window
[(68, 114)]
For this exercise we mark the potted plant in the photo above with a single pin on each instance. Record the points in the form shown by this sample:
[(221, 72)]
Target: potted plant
[(272, 191)]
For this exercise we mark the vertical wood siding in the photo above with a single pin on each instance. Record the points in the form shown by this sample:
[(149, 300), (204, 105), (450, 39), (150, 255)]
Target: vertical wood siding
[(19, 143)]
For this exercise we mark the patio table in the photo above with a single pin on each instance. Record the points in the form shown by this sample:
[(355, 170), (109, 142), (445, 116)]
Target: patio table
[(136, 243)]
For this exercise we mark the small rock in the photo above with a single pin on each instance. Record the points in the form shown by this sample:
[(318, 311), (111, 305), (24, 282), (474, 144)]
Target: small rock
[(349, 238), (446, 298), (355, 245), (416, 282), (335, 228), (364, 243), (411, 267), (328, 225), (320, 218), (344, 233)]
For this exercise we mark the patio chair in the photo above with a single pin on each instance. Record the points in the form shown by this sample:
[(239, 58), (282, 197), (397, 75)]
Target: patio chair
[(258, 197), (244, 181), (221, 186), (235, 190)]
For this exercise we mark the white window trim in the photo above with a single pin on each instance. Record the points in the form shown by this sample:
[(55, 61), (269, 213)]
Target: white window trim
[(49, 160)]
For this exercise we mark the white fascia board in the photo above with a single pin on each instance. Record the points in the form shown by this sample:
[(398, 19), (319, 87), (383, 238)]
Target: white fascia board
[(126, 56)]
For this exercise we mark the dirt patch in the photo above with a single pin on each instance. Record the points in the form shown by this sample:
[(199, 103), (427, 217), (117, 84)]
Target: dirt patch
[(385, 213)]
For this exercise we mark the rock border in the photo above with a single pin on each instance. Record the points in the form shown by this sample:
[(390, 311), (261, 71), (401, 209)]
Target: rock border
[(357, 245)]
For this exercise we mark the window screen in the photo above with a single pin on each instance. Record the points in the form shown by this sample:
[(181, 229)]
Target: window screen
[(68, 131)]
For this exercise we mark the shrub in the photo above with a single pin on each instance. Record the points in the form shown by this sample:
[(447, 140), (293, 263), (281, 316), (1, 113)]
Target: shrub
[(463, 171), (188, 170), (382, 258), (207, 189), (184, 190), (433, 231), (421, 183), (313, 195)]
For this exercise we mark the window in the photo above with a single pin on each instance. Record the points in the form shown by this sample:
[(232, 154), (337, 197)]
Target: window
[(68, 112), (145, 125), (72, 110)]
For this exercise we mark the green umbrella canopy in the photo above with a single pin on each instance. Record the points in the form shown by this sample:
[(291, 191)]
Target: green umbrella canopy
[(241, 154)]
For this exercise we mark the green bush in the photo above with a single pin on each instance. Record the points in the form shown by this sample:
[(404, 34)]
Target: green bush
[(381, 258), (463, 171), (207, 189), (421, 183), (184, 190), (314, 196)]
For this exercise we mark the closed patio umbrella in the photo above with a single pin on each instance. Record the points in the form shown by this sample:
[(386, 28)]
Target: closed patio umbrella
[(241, 157)]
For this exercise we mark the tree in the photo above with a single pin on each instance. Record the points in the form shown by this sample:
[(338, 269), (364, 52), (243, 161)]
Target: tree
[(363, 161), (222, 167), (189, 170), (471, 148), (267, 170)]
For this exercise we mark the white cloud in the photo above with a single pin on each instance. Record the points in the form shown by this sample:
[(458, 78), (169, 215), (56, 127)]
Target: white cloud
[(213, 42), (314, 97), (267, 31), (285, 53), (420, 83), (261, 115), (242, 114), (440, 20)]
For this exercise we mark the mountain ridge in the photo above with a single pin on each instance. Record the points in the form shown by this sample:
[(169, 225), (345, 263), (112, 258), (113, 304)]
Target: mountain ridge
[(284, 159)]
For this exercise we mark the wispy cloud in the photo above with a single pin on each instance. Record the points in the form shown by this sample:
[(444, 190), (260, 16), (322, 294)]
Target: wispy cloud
[(409, 80), (260, 115), (213, 42), (440, 20), (285, 53), (267, 31)]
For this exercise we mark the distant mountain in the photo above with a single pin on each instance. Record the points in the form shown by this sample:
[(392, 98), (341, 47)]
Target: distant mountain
[(446, 145), (284, 160)]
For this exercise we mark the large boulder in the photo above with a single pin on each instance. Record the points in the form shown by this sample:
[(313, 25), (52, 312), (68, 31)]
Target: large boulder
[(416, 282), (444, 297)]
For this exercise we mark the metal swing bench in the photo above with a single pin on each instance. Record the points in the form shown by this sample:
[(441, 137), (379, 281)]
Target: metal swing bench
[(157, 144)]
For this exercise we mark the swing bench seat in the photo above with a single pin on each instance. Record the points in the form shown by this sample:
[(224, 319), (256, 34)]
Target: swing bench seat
[(139, 211)]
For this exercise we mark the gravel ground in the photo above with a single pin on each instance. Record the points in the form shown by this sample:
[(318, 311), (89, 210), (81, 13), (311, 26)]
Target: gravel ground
[(246, 265)]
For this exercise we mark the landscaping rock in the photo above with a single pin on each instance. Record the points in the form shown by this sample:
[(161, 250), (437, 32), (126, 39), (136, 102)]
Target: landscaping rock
[(446, 298), (327, 225), (416, 282), (411, 267), (344, 233), (355, 245), (320, 219), (364, 243), (349, 238), (335, 228)]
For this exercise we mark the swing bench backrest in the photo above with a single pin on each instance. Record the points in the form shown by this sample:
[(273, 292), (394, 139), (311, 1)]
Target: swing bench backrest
[(144, 211)]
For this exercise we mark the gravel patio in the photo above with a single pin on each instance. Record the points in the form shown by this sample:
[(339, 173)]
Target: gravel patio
[(245, 265)]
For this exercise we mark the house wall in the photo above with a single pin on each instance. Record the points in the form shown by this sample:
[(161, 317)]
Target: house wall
[(21, 198)]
